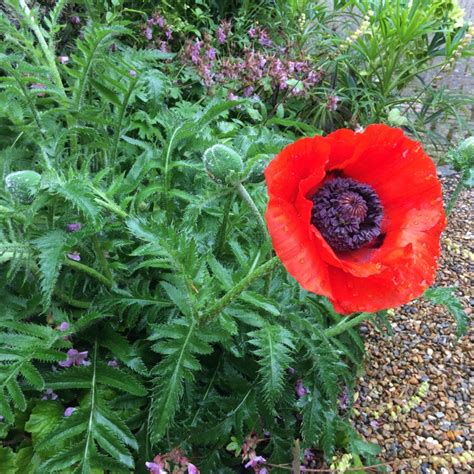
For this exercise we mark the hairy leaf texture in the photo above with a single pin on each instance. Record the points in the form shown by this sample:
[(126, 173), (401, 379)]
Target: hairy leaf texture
[(273, 345)]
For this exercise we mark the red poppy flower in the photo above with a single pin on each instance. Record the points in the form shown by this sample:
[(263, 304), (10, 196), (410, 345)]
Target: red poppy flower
[(357, 217)]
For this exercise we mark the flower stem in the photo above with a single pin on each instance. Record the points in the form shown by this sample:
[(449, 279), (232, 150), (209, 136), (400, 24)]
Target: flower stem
[(118, 129), (90, 271), (71, 301), (221, 236), (48, 54), (235, 292), (346, 324), (100, 255), (250, 202)]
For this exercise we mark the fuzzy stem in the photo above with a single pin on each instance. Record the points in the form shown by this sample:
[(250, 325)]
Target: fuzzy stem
[(90, 271), (103, 261), (346, 324), (118, 129), (250, 202), (48, 54), (71, 301), (235, 292), (221, 236)]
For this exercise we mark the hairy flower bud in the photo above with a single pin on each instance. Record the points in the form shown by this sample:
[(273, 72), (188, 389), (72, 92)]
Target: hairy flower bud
[(396, 118), (223, 164), (23, 185), (466, 149)]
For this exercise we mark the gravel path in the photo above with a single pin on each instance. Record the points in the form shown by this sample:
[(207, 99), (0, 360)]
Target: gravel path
[(415, 398)]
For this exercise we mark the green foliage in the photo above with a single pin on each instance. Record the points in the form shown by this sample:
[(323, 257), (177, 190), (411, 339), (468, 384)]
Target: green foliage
[(447, 297), (50, 247), (273, 347), (94, 436), (23, 345), (194, 335)]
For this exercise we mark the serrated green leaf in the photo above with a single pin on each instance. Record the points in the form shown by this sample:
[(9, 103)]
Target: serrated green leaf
[(447, 297), (51, 246), (117, 378)]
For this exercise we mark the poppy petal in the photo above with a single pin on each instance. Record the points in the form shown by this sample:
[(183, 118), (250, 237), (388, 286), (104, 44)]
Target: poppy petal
[(295, 162), (292, 243)]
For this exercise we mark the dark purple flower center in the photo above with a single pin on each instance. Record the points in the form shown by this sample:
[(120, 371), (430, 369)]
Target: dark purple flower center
[(347, 213)]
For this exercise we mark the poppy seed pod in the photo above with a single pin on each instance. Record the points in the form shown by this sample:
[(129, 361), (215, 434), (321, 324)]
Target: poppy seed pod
[(23, 185), (223, 164), (466, 149), (357, 217)]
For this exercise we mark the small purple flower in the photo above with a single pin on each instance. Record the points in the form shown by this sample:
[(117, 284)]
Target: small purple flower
[(248, 91), (195, 51), (69, 411), (332, 102), (156, 466), (252, 32), (74, 256), (221, 36), (206, 73), (263, 39), (163, 46), (160, 21), (148, 32), (300, 389), (49, 395), (63, 59), (291, 370), (223, 31), (255, 461), (211, 54), (277, 67), (74, 19), (308, 455), (132, 73), (192, 469), (64, 326), (313, 78), (112, 362), (74, 227), (232, 96), (168, 33), (74, 357)]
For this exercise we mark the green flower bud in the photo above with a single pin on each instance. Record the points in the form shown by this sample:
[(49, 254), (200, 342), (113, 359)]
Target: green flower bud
[(23, 185), (256, 167), (466, 149), (396, 118), (223, 164)]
